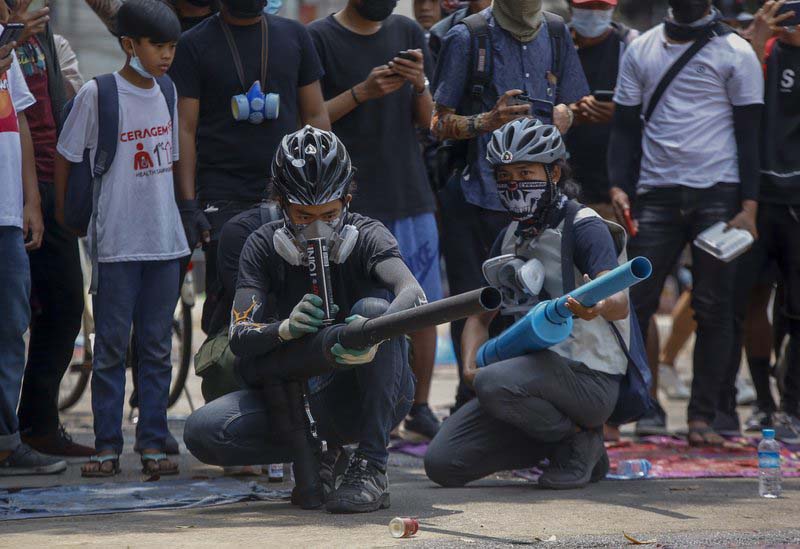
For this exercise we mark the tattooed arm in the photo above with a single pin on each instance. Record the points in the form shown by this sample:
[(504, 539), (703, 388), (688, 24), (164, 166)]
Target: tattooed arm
[(249, 334), (106, 10), (446, 124)]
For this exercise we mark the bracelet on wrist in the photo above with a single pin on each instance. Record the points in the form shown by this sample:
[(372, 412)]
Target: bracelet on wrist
[(355, 97)]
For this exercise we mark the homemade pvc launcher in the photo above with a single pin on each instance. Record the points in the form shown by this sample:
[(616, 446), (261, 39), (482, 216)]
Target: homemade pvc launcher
[(367, 332), (550, 322)]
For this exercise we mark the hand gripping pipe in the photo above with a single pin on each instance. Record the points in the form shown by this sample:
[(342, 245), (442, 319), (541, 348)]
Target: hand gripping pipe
[(367, 332), (550, 322)]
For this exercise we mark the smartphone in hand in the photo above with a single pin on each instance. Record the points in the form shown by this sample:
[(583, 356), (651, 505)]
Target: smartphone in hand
[(786, 8), (10, 33), (606, 96)]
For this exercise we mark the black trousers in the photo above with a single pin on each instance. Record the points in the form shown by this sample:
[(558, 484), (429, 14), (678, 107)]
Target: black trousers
[(467, 235), (779, 241), (526, 407), (57, 306), (669, 219)]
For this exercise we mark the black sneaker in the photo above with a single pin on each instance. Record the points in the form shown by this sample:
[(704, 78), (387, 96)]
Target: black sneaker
[(24, 460), (759, 419), (333, 466), (364, 489), (654, 423), (421, 425), (574, 462), (787, 428)]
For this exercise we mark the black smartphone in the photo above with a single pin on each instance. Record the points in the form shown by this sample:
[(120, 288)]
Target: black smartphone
[(606, 96), (407, 55), (786, 8), (540, 108), (10, 33)]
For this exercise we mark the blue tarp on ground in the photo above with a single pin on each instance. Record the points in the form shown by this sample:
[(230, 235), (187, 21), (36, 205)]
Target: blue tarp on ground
[(95, 499)]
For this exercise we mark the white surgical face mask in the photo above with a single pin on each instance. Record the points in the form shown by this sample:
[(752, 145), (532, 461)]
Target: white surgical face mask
[(591, 23), (136, 65)]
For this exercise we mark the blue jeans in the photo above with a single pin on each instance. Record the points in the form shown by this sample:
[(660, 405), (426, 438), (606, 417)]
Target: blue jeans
[(669, 219), (15, 289), (360, 405), (142, 294)]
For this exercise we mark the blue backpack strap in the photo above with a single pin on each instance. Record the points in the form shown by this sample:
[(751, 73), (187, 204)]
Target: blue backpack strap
[(107, 123), (168, 91), (107, 134), (557, 29)]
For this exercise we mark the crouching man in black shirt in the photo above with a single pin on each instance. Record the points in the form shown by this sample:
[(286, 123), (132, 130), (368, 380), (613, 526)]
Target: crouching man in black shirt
[(368, 391)]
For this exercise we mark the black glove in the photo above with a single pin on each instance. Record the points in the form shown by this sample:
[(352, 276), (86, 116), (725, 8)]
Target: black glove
[(194, 221)]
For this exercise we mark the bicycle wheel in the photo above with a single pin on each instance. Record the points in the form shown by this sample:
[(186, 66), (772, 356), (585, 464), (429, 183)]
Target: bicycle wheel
[(76, 378), (181, 351)]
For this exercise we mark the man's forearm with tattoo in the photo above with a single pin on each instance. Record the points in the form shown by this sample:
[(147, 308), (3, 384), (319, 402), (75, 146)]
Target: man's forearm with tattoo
[(249, 334), (446, 124)]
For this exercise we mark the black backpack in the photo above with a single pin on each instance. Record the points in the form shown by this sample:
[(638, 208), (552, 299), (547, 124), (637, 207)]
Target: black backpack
[(455, 155)]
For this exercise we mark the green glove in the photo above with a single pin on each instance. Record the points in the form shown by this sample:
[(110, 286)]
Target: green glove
[(305, 318), (354, 357)]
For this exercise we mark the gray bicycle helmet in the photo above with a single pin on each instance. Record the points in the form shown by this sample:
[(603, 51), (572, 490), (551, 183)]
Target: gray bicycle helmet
[(311, 167), (525, 140)]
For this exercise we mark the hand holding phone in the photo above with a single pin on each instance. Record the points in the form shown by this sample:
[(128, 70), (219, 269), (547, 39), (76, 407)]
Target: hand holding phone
[(606, 96), (10, 34), (785, 9)]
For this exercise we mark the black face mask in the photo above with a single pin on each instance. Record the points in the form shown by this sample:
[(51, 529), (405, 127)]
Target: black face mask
[(688, 11), (245, 9), (376, 10)]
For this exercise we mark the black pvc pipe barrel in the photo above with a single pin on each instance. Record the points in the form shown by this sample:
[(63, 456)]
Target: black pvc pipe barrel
[(365, 333)]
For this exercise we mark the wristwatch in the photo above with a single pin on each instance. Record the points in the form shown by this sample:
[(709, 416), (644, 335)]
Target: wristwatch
[(424, 88)]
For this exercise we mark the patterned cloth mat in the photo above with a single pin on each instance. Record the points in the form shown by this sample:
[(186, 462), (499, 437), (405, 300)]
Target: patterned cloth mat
[(672, 458), (126, 497)]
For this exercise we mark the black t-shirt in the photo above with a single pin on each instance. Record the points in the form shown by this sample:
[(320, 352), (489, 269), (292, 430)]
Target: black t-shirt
[(588, 145), (233, 158), (232, 238), (260, 267), (780, 182), (379, 134)]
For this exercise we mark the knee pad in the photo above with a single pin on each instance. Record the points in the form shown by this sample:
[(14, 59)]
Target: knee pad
[(370, 307)]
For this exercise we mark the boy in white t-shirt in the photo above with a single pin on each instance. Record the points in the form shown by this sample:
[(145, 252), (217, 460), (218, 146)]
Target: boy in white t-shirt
[(139, 237), (21, 229)]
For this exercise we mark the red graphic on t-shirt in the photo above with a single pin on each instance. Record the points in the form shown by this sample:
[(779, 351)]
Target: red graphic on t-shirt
[(8, 116), (142, 159)]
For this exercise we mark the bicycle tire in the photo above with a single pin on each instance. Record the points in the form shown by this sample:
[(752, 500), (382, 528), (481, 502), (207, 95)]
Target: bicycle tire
[(179, 382), (75, 395), (72, 398)]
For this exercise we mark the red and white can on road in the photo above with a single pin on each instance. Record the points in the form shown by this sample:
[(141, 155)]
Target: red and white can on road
[(403, 527)]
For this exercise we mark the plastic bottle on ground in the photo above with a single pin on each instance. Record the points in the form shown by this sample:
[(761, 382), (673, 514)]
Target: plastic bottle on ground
[(275, 472), (769, 465), (633, 468)]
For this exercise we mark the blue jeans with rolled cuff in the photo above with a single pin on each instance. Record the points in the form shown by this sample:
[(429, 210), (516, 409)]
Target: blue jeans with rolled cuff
[(359, 405), (15, 289), (141, 294)]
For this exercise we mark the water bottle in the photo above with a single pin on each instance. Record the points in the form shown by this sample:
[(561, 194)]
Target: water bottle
[(769, 465), (633, 468), (275, 472)]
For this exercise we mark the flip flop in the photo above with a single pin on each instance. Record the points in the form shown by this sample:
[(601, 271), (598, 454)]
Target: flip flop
[(100, 473), (703, 433), (157, 459)]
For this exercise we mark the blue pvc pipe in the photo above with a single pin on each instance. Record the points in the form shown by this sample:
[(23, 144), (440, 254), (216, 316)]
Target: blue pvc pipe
[(591, 293), (550, 322)]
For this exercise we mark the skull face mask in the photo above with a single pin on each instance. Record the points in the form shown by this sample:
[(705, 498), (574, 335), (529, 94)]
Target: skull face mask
[(525, 200)]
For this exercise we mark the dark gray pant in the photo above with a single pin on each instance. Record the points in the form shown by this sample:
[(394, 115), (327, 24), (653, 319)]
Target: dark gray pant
[(525, 407)]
